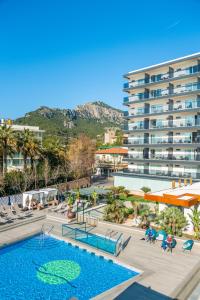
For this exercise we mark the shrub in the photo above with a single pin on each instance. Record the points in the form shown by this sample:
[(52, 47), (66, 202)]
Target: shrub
[(115, 212), (172, 220), (145, 189), (14, 182)]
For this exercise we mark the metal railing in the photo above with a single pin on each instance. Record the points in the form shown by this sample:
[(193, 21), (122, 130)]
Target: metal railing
[(161, 77), (191, 87), (99, 242), (157, 172)]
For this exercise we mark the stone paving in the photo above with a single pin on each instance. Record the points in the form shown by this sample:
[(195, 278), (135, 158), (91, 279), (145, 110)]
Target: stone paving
[(164, 273)]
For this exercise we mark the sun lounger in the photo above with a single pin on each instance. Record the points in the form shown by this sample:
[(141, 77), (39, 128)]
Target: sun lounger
[(62, 211), (55, 209), (10, 215), (19, 212), (3, 220)]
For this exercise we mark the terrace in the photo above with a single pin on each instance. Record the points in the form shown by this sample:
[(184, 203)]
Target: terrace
[(164, 275)]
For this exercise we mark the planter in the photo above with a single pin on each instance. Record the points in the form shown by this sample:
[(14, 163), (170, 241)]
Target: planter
[(71, 215)]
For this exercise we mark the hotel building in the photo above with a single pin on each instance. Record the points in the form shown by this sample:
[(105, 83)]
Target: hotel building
[(163, 124), (16, 161)]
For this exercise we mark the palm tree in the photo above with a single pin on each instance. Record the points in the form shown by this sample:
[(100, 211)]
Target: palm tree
[(7, 144), (172, 220), (51, 158), (94, 198), (195, 219), (34, 154), (24, 142), (119, 190), (115, 212), (145, 214), (136, 207)]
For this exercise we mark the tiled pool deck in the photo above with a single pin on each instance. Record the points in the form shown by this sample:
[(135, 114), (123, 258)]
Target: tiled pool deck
[(165, 275)]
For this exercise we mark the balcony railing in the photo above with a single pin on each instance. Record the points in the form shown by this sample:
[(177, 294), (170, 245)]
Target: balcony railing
[(160, 156), (137, 126), (126, 114), (163, 140), (175, 123), (166, 173), (175, 156), (191, 87), (167, 108), (157, 78)]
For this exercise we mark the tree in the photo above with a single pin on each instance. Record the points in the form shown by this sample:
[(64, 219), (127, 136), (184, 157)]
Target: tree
[(115, 212), (24, 141), (7, 145), (81, 156), (145, 214), (119, 190), (195, 219), (172, 220), (94, 198), (136, 208), (14, 182), (50, 162), (119, 137), (34, 153)]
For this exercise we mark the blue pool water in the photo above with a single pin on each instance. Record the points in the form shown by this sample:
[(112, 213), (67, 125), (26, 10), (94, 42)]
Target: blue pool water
[(44, 268), (99, 242)]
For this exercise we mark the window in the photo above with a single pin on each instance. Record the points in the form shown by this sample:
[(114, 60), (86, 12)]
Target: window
[(188, 104), (156, 93)]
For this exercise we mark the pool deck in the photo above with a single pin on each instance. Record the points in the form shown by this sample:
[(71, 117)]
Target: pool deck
[(165, 275)]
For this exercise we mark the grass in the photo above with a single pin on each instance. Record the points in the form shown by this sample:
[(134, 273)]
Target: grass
[(132, 198)]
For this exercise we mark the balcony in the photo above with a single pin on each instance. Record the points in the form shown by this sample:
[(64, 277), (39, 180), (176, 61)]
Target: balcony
[(135, 156), (135, 142), (161, 124), (162, 140), (158, 109), (164, 156), (175, 156), (137, 126), (174, 123), (155, 94), (163, 77), (126, 114), (162, 173)]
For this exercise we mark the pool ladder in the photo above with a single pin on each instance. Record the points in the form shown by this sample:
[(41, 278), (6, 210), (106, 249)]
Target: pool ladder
[(110, 233), (46, 229)]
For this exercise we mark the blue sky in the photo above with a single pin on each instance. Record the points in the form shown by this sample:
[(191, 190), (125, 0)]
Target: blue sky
[(62, 53)]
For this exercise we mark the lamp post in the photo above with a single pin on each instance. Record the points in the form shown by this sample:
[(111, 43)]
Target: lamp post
[(77, 204)]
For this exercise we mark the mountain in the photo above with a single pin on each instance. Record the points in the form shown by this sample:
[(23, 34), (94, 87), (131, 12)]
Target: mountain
[(91, 118)]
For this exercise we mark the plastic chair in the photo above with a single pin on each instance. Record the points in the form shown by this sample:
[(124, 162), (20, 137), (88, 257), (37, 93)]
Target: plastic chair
[(188, 245)]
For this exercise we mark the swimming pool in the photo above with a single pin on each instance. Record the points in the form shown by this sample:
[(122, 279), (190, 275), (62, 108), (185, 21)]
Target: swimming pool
[(44, 268), (98, 242), (101, 242)]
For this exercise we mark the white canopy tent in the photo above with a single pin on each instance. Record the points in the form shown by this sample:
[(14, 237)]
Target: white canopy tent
[(40, 196)]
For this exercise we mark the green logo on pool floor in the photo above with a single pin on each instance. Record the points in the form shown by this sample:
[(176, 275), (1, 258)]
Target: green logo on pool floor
[(58, 271)]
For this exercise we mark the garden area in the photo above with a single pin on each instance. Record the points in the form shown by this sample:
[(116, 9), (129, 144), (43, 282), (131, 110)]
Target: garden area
[(133, 210)]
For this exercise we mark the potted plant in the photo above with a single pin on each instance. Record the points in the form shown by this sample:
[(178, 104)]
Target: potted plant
[(70, 213)]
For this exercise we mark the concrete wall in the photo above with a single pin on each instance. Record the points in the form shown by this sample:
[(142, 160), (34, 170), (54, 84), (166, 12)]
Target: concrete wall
[(136, 183)]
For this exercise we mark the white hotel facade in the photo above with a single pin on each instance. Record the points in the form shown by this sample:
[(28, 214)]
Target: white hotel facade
[(163, 127)]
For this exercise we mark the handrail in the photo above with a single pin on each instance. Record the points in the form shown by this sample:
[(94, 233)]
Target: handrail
[(49, 229), (97, 242), (118, 250)]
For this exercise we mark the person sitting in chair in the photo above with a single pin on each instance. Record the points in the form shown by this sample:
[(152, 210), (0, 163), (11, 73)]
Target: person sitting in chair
[(150, 235)]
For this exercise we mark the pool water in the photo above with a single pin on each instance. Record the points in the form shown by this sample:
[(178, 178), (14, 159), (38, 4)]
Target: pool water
[(99, 242), (44, 268)]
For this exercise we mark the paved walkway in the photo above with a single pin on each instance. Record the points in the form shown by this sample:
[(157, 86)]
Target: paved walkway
[(163, 272)]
